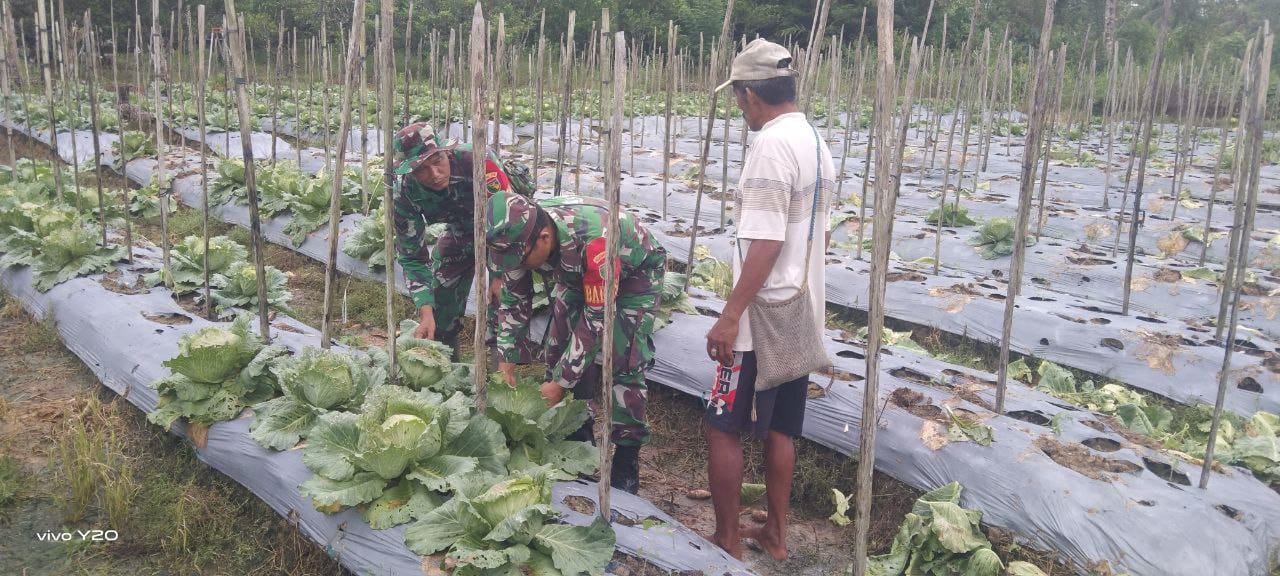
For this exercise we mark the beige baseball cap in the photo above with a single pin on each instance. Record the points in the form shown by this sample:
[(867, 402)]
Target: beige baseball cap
[(760, 60)]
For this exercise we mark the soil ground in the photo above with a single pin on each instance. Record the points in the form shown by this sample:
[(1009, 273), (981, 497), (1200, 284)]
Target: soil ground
[(183, 517)]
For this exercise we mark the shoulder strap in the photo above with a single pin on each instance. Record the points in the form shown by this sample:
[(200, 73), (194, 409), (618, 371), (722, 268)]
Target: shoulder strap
[(817, 199), (813, 212)]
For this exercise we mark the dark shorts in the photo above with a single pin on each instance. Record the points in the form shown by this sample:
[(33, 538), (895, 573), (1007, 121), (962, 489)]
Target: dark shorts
[(735, 407)]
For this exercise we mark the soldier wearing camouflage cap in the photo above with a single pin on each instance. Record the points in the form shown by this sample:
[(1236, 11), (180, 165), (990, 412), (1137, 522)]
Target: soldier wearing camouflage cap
[(434, 186), (563, 238)]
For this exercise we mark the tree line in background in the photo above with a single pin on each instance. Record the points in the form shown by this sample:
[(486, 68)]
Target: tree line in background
[(1222, 27)]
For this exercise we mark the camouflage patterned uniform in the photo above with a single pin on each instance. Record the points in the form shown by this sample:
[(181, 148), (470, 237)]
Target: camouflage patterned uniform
[(576, 274), (441, 277)]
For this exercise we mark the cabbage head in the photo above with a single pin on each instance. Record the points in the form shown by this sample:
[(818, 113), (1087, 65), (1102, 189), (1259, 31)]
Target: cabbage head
[(421, 363)]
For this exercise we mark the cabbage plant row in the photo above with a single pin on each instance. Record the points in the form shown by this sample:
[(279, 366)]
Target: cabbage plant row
[(475, 488)]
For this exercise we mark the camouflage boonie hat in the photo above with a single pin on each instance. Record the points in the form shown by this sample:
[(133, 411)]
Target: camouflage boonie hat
[(510, 229), (417, 142)]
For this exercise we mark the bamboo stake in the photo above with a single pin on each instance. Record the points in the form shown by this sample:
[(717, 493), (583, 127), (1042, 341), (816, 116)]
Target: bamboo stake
[(43, 27), (386, 98), (886, 78), (566, 96), (202, 79), (480, 204), (364, 114), (1183, 157), (162, 187), (538, 76), (449, 81), (497, 82), (706, 143), (667, 136), (866, 173), (1035, 107), (1156, 63), (5, 54), (1217, 165), (1108, 120), (853, 114), (275, 101), (1239, 174), (613, 191), (93, 118), (339, 166), (408, 83), (1055, 96), (1258, 103), (233, 43)]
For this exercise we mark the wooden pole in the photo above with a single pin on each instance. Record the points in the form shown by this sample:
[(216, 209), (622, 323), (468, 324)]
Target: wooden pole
[(886, 79), (566, 96), (1036, 100), (497, 82), (158, 72), (613, 190), (202, 79), (706, 142), (1258, 103), (1055, 96), (667, 136), (538, 76), (386, 97), (480, 203), (43, 30), (275, 101), (339, 167), (233, 40), (404, 115), (1154, 76), (1217, 164), (5, 55), (92, 54)]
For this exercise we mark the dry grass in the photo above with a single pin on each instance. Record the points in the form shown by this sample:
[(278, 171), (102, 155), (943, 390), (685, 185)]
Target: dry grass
[(73, 454)]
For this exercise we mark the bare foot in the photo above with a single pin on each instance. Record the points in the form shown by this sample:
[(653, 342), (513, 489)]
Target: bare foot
[(776, 547), (734, 547)]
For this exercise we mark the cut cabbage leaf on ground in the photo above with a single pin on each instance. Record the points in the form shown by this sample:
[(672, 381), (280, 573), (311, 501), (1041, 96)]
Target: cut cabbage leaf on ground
[(940, 537), (952, 216), (995, 239), (217, 373), (674, 299)]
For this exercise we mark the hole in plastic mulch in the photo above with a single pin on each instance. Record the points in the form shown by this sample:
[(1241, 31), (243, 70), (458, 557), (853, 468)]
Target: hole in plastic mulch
[(1248, 384), (851, 354), (167, 318), (1166, 472), (1029, 416), (1112, 343), (1102, 444), (583, 505), (1230, 512), (911, 375)]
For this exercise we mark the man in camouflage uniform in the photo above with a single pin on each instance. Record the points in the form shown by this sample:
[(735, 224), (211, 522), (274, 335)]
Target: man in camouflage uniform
[(434, 185), (562, 238)]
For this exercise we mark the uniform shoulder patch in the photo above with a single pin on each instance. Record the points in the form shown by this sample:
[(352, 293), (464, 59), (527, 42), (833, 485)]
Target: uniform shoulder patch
[(593, 272), (495, 178)]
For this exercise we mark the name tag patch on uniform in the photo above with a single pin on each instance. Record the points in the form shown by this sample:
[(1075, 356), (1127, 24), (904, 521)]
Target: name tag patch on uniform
[(593, 276)]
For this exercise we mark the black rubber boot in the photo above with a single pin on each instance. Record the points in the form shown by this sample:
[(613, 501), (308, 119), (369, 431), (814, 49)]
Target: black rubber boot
[(585, 433), (625, 474)]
